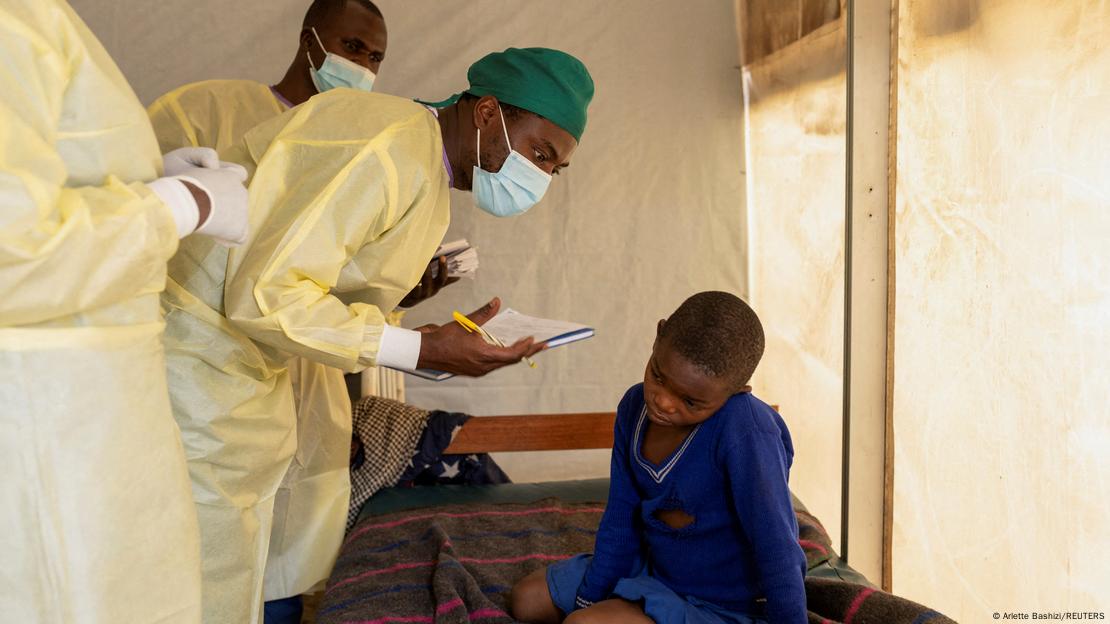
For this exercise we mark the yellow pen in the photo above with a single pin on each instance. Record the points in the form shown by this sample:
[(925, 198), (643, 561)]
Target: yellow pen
[(475, 328)]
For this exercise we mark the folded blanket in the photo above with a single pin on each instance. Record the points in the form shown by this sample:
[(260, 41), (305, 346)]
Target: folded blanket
[(398, 444), (386, 432), (430, 466), (840, 601), (456, 564)]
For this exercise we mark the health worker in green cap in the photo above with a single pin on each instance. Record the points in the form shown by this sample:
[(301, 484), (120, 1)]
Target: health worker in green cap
[(551, 85), (348, 202)]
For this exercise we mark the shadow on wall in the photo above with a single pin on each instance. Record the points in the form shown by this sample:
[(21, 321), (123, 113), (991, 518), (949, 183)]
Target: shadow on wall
[(936, 18), (770, 25)]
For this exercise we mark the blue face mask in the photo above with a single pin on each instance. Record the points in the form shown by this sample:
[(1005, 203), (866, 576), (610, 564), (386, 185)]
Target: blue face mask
[(337, 71), (518, 186)]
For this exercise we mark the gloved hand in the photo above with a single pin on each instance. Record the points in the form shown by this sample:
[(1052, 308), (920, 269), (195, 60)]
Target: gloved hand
[(227, 221), (183, 159)]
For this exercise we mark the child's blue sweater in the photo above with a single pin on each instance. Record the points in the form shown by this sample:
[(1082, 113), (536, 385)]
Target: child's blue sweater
[(730, 475)]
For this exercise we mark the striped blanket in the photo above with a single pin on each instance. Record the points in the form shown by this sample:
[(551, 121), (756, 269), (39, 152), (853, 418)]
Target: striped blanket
[(456, 565)]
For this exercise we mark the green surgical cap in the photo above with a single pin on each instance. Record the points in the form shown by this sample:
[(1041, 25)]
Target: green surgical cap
[(550, 83)]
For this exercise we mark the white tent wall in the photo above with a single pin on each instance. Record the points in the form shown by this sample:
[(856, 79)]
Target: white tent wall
[(163, 45), (1002, 382), (796, 143), (651, 211)]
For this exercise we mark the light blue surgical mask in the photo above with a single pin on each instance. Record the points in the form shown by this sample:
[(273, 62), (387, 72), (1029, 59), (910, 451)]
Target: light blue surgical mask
[(515, 188), (337, 71)]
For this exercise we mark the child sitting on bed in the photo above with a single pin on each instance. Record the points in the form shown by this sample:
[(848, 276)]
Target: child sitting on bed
[(699, 526)]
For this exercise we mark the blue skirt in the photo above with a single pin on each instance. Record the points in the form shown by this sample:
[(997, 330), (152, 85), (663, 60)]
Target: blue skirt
[(659, 601)]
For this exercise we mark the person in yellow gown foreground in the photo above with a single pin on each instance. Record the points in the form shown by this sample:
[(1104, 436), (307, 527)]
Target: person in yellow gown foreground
[(96, 523), (349, 200)]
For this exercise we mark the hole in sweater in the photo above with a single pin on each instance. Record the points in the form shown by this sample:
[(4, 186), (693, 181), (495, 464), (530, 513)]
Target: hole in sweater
[(674, 518)]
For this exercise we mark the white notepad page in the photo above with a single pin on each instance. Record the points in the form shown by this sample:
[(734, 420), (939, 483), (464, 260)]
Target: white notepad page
[(510, 326)]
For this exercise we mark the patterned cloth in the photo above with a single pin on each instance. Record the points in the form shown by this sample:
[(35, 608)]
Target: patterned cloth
[(451, 565), (385, 434), (456, 565), (429, 465), (398, 444)]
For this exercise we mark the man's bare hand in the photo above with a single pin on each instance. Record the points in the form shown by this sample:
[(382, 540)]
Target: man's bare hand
[(434, 279), (452, 349)]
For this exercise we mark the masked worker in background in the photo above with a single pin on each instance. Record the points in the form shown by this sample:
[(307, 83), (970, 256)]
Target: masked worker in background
[(350, 202), (96, 520), (342, 43)]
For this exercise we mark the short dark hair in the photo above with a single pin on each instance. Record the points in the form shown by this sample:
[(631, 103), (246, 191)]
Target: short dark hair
[(320, 10), (718, 333)]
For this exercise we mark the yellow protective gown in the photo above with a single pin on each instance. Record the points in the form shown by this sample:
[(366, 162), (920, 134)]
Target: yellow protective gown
[(311, 503), (235, 479), (96, 522), (348, 202), (212, 113), (310, 507), (310, 510)]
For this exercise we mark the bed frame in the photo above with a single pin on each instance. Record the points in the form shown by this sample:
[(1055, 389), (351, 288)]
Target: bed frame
[(536, 432)]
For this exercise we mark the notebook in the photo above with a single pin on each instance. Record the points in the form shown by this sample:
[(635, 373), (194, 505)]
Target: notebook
[(462, 259), (510, 326)]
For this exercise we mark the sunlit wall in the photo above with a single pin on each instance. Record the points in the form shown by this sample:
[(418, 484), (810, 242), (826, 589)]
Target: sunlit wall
[(795, 155), (1002, 251)]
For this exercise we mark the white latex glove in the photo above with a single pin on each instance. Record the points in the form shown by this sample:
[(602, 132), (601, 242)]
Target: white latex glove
[(227, 221), (184, 159)]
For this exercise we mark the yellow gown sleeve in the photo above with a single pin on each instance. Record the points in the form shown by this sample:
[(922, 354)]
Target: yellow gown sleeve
[(171, 124), (345, 225), (77, 232)]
